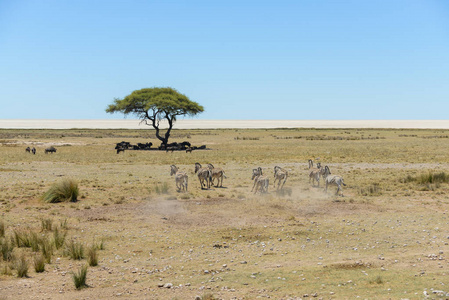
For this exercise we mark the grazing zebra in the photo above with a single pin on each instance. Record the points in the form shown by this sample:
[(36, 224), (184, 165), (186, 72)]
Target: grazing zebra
[(217, 173), (33, 150), (181, 178), (279, 175), (204, 174), (333, 179), (261, 182), (28, 150)]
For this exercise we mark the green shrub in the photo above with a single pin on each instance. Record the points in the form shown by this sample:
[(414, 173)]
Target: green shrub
[(63, 191), (79, 279)]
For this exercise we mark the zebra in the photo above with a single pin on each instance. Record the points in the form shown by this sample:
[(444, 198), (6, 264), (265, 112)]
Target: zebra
[(279, 175), (261, 182), (33, 150), (333, 179), (217, 173), (28, 150), (181, 178), (204, 174), (318, 165)]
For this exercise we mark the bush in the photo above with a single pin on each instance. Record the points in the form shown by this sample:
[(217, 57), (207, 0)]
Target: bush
[(63, 191), (79, 279)]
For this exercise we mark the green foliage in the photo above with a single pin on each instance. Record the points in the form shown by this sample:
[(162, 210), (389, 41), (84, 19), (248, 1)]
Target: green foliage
[(63, 191), (79, 279), (156, 104)]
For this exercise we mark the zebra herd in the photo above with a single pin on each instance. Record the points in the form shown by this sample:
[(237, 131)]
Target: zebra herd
[(50, 150), (207, 176)]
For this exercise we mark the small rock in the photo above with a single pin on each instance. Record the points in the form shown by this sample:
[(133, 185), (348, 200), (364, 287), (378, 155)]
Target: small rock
[(168, 285)]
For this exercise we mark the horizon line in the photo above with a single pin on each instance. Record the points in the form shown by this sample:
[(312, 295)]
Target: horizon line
[(221, 124)]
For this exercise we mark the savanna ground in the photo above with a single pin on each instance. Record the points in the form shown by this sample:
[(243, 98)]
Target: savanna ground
[(387, 237)]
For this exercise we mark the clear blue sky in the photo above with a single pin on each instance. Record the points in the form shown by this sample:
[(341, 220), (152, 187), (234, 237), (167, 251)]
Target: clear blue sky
[(307, 59)]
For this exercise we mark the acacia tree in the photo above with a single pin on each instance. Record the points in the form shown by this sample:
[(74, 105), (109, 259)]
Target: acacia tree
[(152, 105)]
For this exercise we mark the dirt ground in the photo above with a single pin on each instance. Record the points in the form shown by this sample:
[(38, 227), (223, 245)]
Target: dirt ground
[(386, 238)]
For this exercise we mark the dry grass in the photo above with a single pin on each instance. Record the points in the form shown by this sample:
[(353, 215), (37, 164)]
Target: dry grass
[(385, 234)]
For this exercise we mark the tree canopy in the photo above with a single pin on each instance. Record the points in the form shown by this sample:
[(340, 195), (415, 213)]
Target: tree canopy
[(152, 105)]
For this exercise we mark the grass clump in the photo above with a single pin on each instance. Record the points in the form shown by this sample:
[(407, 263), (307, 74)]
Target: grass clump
[(63, 191), (371, 190), (2, 229), (46, 224), (59, 238), (74, 250), (79, 279), (21, 266), (39, 263), (6, 249), (47, 249), (162, 189), (92, 257), (441, 177)]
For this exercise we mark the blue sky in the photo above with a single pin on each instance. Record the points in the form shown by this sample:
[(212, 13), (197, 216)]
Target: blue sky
[(239, 59)]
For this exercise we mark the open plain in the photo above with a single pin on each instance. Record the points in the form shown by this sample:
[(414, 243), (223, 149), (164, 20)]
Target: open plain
[(387, 237)]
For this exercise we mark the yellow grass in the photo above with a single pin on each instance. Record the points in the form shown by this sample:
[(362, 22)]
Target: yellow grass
[(386, 238)]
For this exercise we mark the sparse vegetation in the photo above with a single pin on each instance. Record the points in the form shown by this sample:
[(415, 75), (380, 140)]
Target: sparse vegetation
[(21, 266), (79, 278), (39, 263), (74, 250), (92, 257), (63, 191)]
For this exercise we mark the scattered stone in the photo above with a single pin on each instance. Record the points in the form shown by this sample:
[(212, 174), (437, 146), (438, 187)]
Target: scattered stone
[(168, 285)]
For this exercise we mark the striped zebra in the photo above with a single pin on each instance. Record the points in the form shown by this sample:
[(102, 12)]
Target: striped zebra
[(181, 178), (261, 182), (318, 165), (204, 174), (333, 179), (280, 175), (217, 173)]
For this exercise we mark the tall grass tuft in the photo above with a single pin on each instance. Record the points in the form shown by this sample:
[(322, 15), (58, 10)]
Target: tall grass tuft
[(63, 191), (441, 177), (59, 238), (74, 250), (6, 249), (79, 279), (47, 249), (39, 263), (163, 189), (46, 224), (2, 228), (21, 266), (92, 257)]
